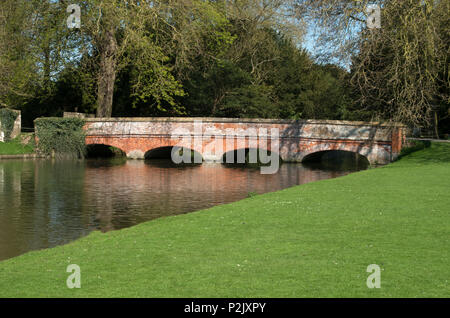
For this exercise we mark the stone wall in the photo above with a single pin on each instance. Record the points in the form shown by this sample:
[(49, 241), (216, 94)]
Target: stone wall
[(17, 125), (77, 115), (325, 129)]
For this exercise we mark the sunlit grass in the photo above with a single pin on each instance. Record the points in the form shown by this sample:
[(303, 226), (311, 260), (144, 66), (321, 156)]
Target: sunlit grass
[(23, 144)]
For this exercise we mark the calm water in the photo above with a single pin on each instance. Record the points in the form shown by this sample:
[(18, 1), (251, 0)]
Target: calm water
[(46, 203)]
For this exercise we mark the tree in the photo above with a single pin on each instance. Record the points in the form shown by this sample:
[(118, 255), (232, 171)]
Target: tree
[(17, 67), (397, 69), (32, 46), (146, 35), (168, 58), (233, 81), (290, 86)]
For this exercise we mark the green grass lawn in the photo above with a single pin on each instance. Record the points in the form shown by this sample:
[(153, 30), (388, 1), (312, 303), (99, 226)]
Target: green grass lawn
[(314, 240), (23, 144)]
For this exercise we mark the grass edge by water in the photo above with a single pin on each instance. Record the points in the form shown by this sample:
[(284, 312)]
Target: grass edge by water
[(206, 225)]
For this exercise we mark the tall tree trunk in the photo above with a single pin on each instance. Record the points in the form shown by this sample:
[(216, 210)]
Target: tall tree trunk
[(436, 123), (107, 74), (47, 67)]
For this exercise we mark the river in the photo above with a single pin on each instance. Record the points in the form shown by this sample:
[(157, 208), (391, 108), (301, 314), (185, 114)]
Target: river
[(45, 203)]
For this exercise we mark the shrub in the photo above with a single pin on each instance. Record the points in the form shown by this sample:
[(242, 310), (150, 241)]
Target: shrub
[(7, 120), (63, 136)]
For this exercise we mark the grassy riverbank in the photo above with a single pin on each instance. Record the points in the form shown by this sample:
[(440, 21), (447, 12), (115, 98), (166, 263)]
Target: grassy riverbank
[(314, 240), (22, 145)]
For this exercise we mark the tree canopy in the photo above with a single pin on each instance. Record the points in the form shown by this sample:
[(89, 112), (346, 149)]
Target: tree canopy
[(227, 58)]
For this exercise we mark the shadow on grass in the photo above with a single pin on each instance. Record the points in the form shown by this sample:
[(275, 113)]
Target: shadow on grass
[(426, 152), (415, 146)]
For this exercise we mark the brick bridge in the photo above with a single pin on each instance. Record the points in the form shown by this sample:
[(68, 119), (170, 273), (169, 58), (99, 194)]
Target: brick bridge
[(212, 137)]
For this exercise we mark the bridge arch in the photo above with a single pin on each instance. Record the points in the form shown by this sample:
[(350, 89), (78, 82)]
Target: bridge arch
[(96, 150), (165, 152), (368, 152), (337, 159), (249, 155)]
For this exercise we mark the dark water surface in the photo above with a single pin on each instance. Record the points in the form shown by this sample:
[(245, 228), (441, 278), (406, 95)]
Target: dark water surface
[(45, 203)]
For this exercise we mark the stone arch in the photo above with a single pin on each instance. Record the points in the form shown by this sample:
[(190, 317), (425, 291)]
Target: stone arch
[(337, 158), (111, 142), (165, 152), (374, 153), (242, 155), (103, 150), (215, 148)]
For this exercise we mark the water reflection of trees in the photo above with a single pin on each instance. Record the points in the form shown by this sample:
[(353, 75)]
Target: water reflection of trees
[(40, 205), (46, 203), (138, 191)]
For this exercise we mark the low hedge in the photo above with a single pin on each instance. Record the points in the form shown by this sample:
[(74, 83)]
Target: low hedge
[(7, 119), (64, 137)]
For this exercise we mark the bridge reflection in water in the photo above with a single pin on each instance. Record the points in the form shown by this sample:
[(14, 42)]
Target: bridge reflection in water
[(48, 203)]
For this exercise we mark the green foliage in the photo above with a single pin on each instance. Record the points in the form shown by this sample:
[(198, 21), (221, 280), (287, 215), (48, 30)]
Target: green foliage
[(202, 59), (63, 136), (290, 85), (7, 120), (223, 58), (252, 101), (401, 71)]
